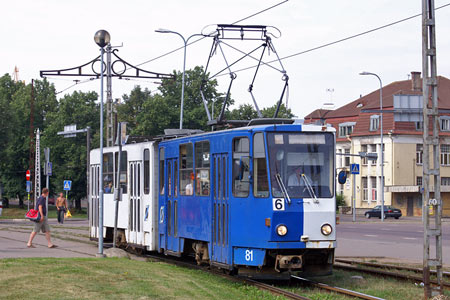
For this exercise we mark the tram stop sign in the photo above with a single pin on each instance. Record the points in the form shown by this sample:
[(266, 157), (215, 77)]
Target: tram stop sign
[(28, 175)]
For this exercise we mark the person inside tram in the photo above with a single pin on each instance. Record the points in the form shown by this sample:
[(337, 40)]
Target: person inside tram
[(295, 179)]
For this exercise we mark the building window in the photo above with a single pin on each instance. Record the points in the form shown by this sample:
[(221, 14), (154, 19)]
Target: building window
[(445, 180), (419, 180), (373, 149), (419, 125), (374, 122), (347, 158), (202, 168), (419, 154), (445, 155), (365, 189), (445, 123), (373, 179), (364, 159), (346, 128)]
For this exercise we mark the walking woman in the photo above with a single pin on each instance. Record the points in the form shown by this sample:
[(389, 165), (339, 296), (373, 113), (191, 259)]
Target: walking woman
[(61, 206)]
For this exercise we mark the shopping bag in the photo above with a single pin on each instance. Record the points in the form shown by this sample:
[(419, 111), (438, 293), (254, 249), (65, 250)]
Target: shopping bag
[(33, 215), (68, 214)]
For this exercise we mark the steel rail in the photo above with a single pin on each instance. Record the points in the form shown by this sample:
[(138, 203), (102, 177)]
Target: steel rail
[(389, 274), (336, 289), (375, 265)]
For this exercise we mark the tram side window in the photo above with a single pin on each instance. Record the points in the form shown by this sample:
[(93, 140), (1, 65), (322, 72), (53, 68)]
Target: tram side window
[(202, 168), (123, 178), (161, 171), (186, 169), (146, 171), (261, 182), (241, 167), (108, 173)]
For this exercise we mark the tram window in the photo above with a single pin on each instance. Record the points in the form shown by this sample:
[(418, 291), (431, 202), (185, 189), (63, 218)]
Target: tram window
[(175, 177), (123, 178), (108, 173), (241, 167), (202, 168), (186, 169), (261, 182), (161, 171), (146, 171)]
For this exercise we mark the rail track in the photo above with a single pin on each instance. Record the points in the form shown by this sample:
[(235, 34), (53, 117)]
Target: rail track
[(384, 266), (265, 286), (376, 269)]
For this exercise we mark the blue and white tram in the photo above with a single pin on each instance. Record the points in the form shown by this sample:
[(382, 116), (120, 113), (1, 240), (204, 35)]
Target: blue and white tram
[(258, 200)]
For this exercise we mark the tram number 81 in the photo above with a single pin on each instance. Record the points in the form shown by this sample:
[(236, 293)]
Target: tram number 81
[(249, 255)]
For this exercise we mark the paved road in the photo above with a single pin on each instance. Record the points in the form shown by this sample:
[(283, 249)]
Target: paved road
[(71, 238), (398, 239)]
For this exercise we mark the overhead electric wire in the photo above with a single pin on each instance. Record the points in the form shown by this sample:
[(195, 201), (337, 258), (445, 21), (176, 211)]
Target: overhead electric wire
[(340, 40), (195, 41), (76, 83)]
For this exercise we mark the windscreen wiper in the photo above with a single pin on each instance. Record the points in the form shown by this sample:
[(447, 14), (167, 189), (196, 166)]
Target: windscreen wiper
[(283, 188), (310, 188)]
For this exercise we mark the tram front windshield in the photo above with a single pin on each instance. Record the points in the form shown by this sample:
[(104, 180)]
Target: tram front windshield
[(303, 162)]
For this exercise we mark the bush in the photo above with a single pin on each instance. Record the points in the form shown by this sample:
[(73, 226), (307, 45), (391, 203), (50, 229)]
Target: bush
[(340, 201)]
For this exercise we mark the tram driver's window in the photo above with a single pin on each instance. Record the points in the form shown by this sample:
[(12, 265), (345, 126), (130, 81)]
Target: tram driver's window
[(241, 167), (108, 173), (161, 171), (186, 170), (123, 178), (261, 183), (202, 168)]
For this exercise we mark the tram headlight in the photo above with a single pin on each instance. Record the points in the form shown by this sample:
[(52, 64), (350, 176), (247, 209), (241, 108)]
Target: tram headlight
[(326, 229), (281, 230)]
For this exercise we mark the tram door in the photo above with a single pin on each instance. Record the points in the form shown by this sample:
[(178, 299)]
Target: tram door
[(220, 208), (172, 205), (135, 203), (93, 203)]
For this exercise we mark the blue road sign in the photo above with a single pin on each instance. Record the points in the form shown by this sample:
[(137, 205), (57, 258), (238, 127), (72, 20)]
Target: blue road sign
[(28, 186), (49, 168), (67, 185), (354, 168)]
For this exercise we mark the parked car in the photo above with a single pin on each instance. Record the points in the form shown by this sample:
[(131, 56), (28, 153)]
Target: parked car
[(389, 211)]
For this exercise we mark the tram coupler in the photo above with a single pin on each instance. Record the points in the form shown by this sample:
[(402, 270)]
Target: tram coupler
[(288, 262)]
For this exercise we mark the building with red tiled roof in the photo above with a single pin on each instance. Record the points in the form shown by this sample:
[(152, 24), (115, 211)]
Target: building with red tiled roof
[(358, 130)]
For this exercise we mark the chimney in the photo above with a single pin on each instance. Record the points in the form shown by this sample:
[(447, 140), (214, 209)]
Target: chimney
[(416, 81)]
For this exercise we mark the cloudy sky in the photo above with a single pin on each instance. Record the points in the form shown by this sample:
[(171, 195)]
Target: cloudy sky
[(53, 34)]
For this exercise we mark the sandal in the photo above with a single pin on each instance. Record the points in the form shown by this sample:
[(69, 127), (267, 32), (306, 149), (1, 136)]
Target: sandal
[(31, 246), (52, 246)]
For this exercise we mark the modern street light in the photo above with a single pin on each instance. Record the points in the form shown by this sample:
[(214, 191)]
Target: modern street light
[(185, 41), (101, 38), (381, 138)]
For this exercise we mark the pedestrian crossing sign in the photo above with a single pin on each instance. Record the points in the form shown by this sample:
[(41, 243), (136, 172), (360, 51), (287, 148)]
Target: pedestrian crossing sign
[(67, 185), (354, 169)]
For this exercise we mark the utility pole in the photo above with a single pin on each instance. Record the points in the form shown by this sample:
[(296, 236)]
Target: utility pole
[(31, 158), (109, 102), (37, 171), (432, 229)]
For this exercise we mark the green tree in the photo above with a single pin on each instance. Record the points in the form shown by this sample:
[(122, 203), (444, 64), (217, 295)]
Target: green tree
[(268, 112), (15, 152), (132, 107), (69, 155)]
